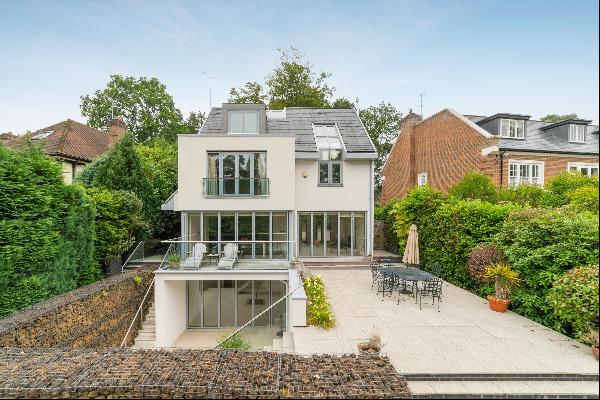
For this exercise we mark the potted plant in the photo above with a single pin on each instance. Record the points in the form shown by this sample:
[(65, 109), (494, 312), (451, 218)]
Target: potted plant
[(174, 260), (505, 280), (592, 339), (372, 347)]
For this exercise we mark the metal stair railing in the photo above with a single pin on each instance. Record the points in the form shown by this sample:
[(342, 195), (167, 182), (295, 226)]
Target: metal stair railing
[(140, 312), (256, 317), (131, 255)]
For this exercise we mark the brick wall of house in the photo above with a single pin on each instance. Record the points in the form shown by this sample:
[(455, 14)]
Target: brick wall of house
[(553, 164), (396, 170)]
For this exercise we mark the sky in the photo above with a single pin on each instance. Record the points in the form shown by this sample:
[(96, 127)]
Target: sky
[(477, 57)]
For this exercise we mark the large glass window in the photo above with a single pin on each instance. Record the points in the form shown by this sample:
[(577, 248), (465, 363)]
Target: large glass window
[(577, 133), (243, 121), (211, 231), (194, 304), (210, 303), (585, 169), (332, 234), (244, 302), (304, 237), (345, 234), (227, 305), (359, 234), (318, 235), (278, 312), (245, 234), (329, 145), (262, 224), (236, 174), (261, 301), (280, 234)]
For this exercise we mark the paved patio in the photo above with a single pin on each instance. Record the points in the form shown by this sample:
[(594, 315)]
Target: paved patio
[(465, 337)]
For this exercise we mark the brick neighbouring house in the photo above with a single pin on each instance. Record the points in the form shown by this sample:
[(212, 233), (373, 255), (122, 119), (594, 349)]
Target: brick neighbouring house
[(509, 148), (71, 143)]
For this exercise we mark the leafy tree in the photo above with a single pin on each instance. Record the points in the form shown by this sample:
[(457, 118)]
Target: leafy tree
[(147, 109), (558, 118), (250, 93), (475, 185), (343, 102), (194, 122), (382, 123), (293, 83)]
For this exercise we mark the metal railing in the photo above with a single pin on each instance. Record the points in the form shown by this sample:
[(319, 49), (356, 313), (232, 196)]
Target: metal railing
[(236, 187), (145, 252), (256, 317), (181, 252), (140, 312)]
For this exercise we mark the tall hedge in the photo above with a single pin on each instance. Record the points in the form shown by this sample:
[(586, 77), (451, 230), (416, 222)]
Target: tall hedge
[(46, 231)]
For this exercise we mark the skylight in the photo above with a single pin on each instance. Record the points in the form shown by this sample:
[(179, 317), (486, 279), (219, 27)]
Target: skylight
[(327, 137), (42, 135)]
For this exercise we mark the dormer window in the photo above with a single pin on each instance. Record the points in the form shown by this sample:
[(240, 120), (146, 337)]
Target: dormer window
[(512, 128), (577, 133), (243, 121)]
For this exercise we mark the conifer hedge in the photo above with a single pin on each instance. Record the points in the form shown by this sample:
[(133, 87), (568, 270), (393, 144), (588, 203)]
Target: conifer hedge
[(46, 231)]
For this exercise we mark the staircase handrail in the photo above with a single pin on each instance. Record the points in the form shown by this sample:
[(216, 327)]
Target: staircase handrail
[(128, 258), (139, 311)]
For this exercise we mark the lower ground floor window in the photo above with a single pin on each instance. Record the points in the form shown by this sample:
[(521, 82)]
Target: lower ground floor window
[(331, 234), (228, 303)]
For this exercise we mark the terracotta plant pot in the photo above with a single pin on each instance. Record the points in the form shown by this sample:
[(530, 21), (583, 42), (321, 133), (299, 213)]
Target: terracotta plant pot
[(366, 349), (498, 305), (595, 352)]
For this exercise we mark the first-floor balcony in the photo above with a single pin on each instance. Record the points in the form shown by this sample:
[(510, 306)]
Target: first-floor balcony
[(236, 187), (209, 255)]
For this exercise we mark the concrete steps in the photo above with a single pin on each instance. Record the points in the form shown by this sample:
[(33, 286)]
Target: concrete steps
[(285, 344), (146, 337), (546, 386)]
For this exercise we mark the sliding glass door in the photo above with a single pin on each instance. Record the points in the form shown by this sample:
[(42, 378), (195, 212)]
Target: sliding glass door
[(331, 234)]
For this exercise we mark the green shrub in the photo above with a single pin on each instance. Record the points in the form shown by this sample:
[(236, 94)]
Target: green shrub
[(562, 184), (319, 311), (584, 198), (236, 342), (118, 217), (46, 231), (541, 244), (527, 196), (573, 300), (475, 185), (386, 214)]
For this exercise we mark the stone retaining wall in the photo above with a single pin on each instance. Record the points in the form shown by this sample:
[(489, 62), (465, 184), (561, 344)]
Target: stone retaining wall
[(127, 373), (96, 315)]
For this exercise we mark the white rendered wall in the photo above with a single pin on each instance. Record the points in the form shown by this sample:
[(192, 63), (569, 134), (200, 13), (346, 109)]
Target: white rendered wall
[(170, 308), (192, 169)]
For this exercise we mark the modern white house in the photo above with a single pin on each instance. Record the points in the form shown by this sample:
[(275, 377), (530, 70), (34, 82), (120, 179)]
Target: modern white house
[(258, 189)]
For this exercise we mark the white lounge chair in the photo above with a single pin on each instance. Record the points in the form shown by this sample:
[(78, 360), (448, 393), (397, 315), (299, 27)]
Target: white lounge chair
[(229, 256), (195, 259)]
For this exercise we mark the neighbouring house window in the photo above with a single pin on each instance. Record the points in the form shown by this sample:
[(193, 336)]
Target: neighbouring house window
[(577, 133), (329, 145), (236, 174), (243, 121), (525, 172), (585, 169), (512, 128), (422, 181)]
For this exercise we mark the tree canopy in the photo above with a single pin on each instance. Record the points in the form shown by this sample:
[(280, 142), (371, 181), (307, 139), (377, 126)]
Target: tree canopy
[(382, 123), (145, 105), (558, 118)]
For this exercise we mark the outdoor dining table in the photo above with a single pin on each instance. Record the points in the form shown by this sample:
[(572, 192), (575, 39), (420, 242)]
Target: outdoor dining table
[(391, 275)]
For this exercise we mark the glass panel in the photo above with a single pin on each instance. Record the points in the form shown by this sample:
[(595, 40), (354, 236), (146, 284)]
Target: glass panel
[(194, 314), (245, 233), (359, 234), (280, 234), (324, 155), (244, 173), (278, 312), (210, 298), (211, 230), (227, 228), (318, 235), (345, 234), (336, 173), (193, 232), (250, 122), (261, 302), (520, 128), (573, 169), (229, 174), (227, 303), (304, 234), (331, 234), (504, 127), (594, 171), (335, 155), (585, 171), (323, 172), (236, 121), (212, 183), (244, 302), (260, 174), (261, 223)]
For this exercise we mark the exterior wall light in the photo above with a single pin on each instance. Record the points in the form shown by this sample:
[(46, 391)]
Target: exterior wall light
[(304, 174)]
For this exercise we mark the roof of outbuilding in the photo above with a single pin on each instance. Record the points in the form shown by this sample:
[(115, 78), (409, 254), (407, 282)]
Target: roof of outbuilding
[(538, 140), (298, 121)]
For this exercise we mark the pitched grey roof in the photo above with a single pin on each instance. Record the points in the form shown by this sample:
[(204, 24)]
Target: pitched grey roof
[(298, 122), (538, 140)]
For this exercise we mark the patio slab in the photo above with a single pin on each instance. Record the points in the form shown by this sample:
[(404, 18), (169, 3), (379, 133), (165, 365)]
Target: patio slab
[(464, 337)]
